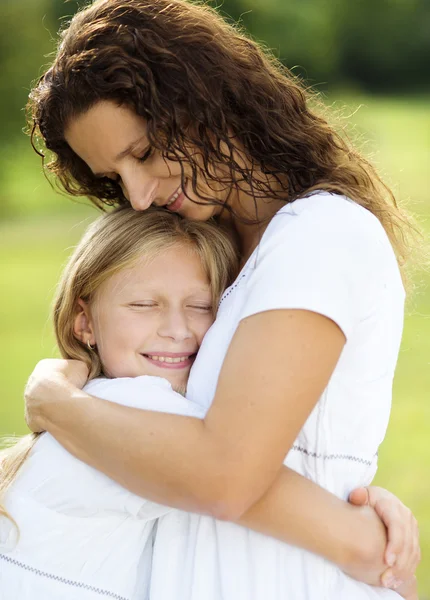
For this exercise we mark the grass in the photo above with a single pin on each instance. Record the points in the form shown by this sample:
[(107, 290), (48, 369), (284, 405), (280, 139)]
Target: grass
[(31, 257), (42, 226)]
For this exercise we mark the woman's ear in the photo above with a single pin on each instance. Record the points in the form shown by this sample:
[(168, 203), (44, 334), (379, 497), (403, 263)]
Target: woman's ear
[(83, 325)]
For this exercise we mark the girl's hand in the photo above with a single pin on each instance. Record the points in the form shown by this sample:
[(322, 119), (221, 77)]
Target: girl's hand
[(402, 554), (46, 386), (409, 589)]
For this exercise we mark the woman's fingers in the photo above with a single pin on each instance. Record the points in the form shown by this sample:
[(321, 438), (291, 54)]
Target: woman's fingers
[(43, 384)]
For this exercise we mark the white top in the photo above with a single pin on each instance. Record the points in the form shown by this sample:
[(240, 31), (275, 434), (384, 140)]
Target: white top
[(82, 536), (326, 254)]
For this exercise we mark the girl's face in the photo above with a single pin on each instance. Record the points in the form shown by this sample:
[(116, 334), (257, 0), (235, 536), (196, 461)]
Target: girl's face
[(150, 319), (112, 141)]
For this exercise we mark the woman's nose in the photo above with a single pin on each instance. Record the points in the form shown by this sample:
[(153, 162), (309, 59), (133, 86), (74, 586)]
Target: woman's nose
[(138, 201), (139, 193)]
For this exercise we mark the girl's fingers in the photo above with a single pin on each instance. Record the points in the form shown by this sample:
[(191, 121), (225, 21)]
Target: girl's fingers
[(409, 589), (388, 578), (410, 555), (359, 497), (405, 545), (402, 552)]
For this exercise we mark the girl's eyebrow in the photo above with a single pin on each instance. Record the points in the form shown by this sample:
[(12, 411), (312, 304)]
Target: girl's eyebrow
[(129, 150)]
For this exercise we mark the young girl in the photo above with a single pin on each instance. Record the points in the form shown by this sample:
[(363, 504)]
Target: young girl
[(135, 300), (160, 102)]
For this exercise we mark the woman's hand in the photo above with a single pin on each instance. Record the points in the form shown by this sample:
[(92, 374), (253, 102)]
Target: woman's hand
[(50, 377), (402, 553)]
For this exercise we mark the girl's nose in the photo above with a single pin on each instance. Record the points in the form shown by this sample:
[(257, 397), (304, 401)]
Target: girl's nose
[(175, 325)]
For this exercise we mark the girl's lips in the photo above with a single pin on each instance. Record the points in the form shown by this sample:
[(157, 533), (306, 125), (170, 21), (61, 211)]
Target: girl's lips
[(184, 364)]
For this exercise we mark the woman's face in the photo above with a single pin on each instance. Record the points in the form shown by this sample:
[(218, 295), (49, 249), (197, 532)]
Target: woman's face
[(150, 319), (112, 141)]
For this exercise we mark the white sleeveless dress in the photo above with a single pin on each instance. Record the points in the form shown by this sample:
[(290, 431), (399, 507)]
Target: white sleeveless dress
[(328, 255), (82, 536)]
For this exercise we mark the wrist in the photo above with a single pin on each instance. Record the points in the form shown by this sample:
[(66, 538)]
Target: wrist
[(55, 397)]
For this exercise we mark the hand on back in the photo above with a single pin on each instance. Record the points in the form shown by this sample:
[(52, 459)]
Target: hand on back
[(42, 390), (402, 554)]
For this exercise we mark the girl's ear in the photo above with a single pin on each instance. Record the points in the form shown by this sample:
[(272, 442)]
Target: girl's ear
[(83, 325)]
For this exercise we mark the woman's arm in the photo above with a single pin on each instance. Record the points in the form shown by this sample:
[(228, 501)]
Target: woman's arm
[(226, 463), (294, 509), (301, 513), (222, 464)]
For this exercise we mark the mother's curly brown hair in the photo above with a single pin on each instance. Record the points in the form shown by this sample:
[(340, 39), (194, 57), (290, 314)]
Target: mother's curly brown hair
[(199, 82)]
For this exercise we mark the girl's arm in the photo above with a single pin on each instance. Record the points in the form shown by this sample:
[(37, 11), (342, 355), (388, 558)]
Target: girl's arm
[(228, 464)]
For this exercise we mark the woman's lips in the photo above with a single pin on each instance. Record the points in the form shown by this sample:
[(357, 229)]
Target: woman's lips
[(176, 205)]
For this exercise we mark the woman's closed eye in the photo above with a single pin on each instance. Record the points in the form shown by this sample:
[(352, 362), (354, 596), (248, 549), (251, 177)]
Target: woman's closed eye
[(117, 178), (145, 156)]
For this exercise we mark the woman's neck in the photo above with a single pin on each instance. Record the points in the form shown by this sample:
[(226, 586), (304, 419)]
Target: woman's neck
[(248, 220)]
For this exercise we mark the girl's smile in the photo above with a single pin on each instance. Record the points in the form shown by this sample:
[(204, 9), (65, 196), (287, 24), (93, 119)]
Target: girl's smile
[(150, 318), (170, 360)]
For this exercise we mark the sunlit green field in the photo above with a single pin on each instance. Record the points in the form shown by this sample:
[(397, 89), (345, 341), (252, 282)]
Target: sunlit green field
[(34, 244)]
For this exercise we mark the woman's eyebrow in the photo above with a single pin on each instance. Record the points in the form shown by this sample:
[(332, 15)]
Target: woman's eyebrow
[(129, 150)]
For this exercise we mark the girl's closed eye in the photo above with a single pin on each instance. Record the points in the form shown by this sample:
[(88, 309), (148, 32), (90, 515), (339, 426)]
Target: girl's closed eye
[(202, 307), (143, 304)]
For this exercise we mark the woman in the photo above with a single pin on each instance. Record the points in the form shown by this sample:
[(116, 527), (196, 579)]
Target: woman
[(163, 103)]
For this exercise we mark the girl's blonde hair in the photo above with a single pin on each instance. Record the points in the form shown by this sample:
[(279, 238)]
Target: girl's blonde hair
[(115, 241)]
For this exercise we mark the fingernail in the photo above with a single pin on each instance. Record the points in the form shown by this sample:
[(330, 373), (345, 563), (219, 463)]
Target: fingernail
[(391, 559)]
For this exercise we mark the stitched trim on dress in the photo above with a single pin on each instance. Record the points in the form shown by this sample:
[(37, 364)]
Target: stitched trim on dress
[(224, 296), (77, 584), (334, 456)]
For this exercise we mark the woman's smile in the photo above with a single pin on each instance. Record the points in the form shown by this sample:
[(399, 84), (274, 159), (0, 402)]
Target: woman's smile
[(176, 200), (112, 140)]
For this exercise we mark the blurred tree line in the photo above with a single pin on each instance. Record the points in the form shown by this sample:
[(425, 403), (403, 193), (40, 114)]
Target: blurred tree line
[(375, 45)]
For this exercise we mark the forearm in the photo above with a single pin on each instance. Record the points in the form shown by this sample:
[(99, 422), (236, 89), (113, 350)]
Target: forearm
[(299, 512), (180, 462), (152, 454), (174, 466)]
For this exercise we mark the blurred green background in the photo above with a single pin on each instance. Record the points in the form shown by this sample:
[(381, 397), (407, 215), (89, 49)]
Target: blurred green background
[(370, 61)]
